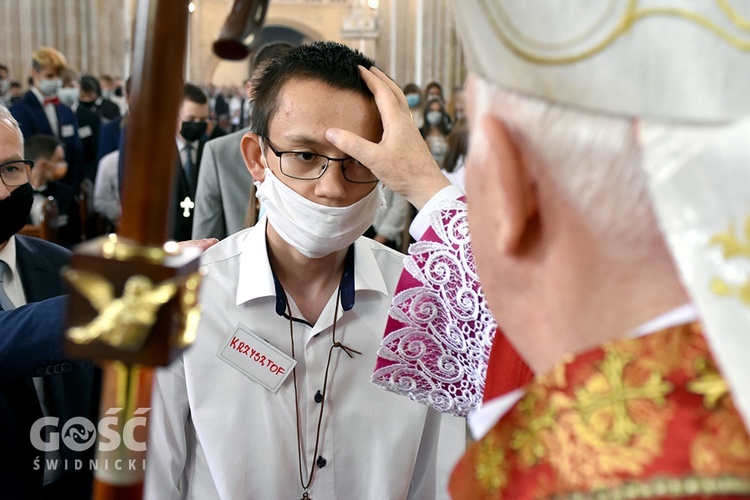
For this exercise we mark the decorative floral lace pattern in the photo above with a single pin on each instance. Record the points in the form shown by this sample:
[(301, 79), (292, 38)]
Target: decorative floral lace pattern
[(440, 331)]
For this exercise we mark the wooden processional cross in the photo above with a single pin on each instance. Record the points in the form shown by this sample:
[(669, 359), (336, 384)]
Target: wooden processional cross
[(133, 301)]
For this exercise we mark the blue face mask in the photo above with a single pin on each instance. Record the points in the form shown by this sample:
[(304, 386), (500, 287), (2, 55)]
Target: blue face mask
[(412, 100)]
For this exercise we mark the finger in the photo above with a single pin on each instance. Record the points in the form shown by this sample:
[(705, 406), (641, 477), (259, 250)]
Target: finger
[(393, 86), (353, 145), (386, 101)]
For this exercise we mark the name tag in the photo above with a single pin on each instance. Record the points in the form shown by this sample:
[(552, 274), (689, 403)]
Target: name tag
[(67, 130), (257, 359), (84, 131)]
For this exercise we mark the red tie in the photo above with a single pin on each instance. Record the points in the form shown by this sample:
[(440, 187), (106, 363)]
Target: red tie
[(51, 100)]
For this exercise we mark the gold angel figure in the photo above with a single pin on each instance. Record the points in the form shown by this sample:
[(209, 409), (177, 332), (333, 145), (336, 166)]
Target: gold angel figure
[(122, 322)]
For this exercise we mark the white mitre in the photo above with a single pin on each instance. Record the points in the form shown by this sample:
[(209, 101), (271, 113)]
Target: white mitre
[(682, 68)]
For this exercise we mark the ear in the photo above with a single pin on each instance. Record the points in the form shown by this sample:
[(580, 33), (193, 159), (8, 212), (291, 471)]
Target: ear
[(252, 154), (508, 181)]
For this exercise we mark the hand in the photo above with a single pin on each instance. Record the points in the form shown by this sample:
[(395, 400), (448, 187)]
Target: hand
[(401, 160)]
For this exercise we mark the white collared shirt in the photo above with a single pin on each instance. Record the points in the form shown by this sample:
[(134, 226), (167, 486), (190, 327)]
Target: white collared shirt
[(181, 144), (12, 280), (215, 433)]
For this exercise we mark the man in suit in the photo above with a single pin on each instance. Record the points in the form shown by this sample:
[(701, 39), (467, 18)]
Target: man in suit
[(41, 112), (190, 139), (33, 328), (224, 185), (30, 272)]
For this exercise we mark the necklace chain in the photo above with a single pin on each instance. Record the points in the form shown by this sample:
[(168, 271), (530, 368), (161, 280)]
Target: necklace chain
[(334, 344)]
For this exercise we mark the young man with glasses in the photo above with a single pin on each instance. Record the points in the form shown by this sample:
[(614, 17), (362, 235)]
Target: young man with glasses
[(274, 400)]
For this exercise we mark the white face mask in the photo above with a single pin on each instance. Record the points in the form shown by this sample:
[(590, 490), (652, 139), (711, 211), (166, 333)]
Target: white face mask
[(434, 117), (68, 96), (49, 86), (316, 230)]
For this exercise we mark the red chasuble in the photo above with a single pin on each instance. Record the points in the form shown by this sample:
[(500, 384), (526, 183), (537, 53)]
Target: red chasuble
[(639, 418)]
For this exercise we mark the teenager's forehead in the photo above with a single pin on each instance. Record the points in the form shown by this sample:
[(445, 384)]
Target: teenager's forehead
[(314, 105)]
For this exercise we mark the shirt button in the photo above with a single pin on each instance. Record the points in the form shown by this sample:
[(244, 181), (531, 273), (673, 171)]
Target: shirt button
[(318, 397), (321, 462)]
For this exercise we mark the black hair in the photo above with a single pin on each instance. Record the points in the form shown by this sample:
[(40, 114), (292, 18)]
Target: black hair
[(331, 63), (269, 51), (90, 84), (194, 94), (412, 88), (445, 123), (40, 146), (436, 85)]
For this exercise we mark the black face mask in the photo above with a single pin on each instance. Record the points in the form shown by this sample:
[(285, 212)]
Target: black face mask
[(87, 104), (192, 131), (15, 210)]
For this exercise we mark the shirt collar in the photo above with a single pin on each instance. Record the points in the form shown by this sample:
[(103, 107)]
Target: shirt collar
[(8, 254), (686, 313), (256, 279)]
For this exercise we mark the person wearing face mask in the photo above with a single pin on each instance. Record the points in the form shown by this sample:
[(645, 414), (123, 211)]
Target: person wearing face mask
[(89, 123), (190, 139), (49, 165), (436, 128), (40, 111), (55, 388), (273, 400), (414, 99), (91, 97)]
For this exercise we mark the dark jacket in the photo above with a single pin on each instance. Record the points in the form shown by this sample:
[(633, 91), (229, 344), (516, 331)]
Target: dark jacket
[(70, 389)]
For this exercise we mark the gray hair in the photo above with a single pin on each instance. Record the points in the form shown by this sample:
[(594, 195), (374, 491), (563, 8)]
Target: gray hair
[(5, 115), (594, 160)]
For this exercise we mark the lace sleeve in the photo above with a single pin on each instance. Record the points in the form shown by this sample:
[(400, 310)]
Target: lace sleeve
[(440, 331)]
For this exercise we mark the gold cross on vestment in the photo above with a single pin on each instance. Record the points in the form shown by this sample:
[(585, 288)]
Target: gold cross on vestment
[(187, 204)]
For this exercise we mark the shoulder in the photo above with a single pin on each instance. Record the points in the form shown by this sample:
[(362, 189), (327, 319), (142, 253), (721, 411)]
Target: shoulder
[(389, 261), (228, 248), (22, 105), (42, 249)]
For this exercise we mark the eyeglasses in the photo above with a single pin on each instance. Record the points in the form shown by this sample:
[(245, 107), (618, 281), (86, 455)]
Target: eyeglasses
[(16, 172), (307, 166)]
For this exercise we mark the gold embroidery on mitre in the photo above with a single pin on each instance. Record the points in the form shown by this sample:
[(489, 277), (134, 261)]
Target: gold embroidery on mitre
[(632, 13), (490, 471), (732, 247)]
